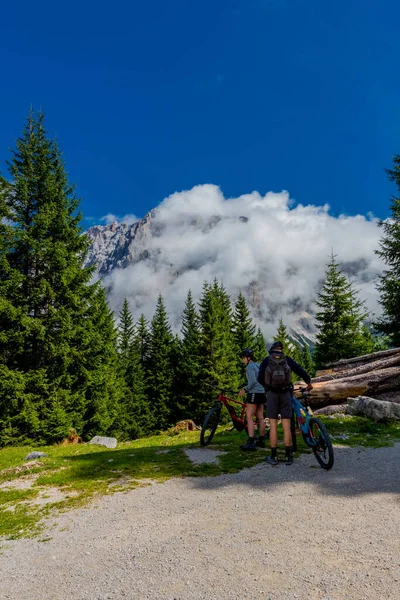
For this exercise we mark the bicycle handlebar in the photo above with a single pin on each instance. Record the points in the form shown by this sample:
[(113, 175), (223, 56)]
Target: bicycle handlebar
[(222, 390), (304, 394), (302, 390)]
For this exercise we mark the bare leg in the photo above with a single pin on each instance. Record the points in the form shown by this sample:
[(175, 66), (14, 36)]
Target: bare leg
[(260, 417), (287, 434), (273, 433), (250, 412)]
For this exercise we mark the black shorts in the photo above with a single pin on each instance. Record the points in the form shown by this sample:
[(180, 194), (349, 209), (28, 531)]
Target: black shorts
[(255, 398), (279, 403)]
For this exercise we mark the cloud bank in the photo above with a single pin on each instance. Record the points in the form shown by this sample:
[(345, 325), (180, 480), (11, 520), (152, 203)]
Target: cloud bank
[(267, 246)]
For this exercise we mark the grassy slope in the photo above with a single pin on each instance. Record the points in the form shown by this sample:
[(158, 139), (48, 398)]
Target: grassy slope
[(72, 475)]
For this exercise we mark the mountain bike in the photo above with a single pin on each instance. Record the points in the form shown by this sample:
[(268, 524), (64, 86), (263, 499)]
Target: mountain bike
[(313, 431), (214, 415)]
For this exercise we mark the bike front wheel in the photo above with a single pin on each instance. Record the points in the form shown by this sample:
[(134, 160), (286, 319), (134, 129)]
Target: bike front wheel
[(323, 450), (210, 425)]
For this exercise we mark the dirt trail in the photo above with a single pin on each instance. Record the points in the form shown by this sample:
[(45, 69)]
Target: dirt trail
[(267, 532)]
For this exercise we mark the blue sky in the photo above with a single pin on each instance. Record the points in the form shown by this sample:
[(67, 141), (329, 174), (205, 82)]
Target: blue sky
[(147, 98)]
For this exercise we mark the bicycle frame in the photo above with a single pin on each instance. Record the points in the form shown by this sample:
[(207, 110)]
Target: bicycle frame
[(236, 420), (303, 417)]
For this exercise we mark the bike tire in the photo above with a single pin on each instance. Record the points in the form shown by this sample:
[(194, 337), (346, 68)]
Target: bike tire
[(323, 452), (210, 425)]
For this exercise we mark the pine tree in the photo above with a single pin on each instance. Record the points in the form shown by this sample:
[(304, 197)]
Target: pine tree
[(225, 366), (51, 315), (98, 360), (389, 285), (6, 237), (134, 416), (190, 371), (295, 353), (160, 373), (143, 341), (306, 361), (178, 411), (340, 319), (16, 408), (218, 344), (142, 346), (244, 330), (126, 333), (283, 336), (259, 347)]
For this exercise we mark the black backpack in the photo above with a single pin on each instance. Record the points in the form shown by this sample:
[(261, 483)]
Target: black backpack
[(278, 374)]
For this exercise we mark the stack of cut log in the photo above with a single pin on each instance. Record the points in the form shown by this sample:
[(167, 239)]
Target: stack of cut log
[(376, 375)]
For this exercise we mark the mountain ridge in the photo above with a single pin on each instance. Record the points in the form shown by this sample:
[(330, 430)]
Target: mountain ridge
[(261, 246)]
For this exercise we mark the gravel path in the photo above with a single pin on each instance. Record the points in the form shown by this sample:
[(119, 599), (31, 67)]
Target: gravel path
[(267, 532)]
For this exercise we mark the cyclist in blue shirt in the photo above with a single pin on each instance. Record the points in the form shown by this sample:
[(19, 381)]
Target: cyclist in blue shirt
[(254, 402)]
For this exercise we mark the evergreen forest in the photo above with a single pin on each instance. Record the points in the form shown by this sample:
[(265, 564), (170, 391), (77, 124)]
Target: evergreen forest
[(67, 363)]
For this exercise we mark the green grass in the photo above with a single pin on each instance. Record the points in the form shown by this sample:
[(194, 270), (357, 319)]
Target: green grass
[(361, 431), (80, 473)]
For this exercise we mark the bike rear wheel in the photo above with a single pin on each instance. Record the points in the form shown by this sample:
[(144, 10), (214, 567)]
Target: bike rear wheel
[(323, 450), (210, 425)]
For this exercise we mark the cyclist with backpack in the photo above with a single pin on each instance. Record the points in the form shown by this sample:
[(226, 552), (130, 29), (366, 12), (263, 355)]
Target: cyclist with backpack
[(255, 401), (275, 375)]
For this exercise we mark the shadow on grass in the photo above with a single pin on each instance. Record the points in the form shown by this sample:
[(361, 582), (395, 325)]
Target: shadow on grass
[(356, 470), (156, 463), (90, 469)]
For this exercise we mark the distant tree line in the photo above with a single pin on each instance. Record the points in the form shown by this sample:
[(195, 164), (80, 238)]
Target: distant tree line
[(66, 364)]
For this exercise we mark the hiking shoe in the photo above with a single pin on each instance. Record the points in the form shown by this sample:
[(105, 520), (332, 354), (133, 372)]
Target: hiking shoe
[(249, 445), (271, 461), (288, 460), (260, 443)]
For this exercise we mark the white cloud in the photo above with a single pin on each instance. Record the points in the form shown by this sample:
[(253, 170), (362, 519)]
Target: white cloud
[(267, 245), (111, 218)]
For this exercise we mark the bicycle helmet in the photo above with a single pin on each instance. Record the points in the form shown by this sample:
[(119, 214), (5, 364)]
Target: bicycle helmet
[(248, 352), (275, 346)]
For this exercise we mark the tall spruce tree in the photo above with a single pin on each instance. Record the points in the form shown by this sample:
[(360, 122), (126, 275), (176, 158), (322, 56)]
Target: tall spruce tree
[(218, 344), (340, 319), (226, 353), (160, 369), (389, 284), (190, 370), (176, 408), (283, 336), (244, 330), (259, 347), (51, 316), (134, 416), (98, 359), (306, 361), (126, 333), (296, 352), (297, 355), (143, 341)]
